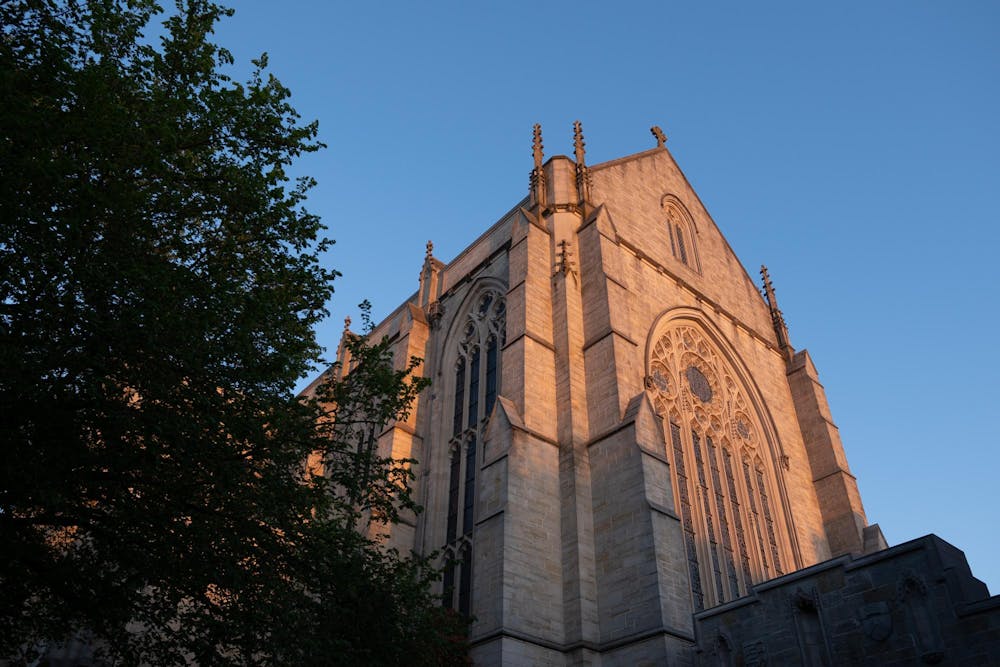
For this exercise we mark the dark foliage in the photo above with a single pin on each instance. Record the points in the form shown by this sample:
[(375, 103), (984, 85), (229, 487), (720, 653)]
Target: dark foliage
[(159, 285)]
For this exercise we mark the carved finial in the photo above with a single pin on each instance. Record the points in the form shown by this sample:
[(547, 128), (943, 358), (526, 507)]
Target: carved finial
[(777, 319), (564, 259), (536, 146), (428, 290), (660, 137), (582, 172), (768, 287), (578, 142), (537, 180), (347, 323)]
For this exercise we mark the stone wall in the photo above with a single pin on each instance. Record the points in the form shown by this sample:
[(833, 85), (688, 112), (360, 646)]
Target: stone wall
[(915, 603)]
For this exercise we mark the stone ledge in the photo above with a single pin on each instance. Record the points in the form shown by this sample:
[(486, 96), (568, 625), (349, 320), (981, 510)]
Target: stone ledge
[(608, 331), (599, 647)]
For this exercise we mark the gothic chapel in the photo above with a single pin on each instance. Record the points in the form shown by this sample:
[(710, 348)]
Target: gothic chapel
[(619, 437)]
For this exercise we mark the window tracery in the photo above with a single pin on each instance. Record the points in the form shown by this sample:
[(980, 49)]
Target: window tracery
[(475, 387), (722, 484)]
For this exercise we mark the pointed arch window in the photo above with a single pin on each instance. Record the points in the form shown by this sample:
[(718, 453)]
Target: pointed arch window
[(475, 388), (734, 533), (681, 231)]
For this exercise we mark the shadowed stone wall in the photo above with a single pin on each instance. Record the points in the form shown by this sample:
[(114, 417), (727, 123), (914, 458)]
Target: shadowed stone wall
[(915, 603)]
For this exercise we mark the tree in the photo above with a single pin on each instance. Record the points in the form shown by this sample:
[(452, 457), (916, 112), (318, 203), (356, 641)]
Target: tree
[(159, 284), (385, 601)]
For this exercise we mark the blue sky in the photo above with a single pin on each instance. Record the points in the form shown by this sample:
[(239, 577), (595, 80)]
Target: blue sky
[(852, 147)]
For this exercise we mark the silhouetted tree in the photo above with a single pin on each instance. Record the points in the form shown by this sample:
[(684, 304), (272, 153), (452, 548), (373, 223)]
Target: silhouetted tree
[(159, 285)]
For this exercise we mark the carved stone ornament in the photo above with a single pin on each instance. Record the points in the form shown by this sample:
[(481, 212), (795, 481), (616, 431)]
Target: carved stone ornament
[(564, 260), (488, 317), (699, 384), (912, 595), (755, 654), (910, 584), (719, 652), (658, 134), (536, 146), (660, 381), (876, 621), (435, 311), (687, 372), (804, 600), (578, 143)]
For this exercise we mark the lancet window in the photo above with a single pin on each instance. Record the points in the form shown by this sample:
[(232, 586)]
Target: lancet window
[(724, 487), (681, 232), (475, 385)]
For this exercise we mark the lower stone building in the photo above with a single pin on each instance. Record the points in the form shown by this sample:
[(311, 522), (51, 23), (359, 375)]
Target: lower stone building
[(622, 458), (915, 603)]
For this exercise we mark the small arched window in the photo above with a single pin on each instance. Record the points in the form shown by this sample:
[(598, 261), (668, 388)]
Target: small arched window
[(681, 230)]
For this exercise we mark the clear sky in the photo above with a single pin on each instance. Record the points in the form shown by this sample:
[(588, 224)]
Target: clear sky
[(852, 147)]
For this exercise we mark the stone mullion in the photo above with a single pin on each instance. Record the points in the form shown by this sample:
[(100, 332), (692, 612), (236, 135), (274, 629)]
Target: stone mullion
[(455, 486), (706, 507), (766, 507), (737, 518), (465, 581), (469, 491), (454, 481), (755, 520), (720, 506), (474, 387), (684, 500), (448, 582), (680, 244)]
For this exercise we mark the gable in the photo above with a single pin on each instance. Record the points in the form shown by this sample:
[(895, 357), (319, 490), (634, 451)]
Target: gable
[(643, 194)]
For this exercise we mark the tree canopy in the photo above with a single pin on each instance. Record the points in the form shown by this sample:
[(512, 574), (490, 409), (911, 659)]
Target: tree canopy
[(160, 280)]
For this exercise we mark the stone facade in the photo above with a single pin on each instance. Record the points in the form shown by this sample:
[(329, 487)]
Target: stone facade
[(619, 434)]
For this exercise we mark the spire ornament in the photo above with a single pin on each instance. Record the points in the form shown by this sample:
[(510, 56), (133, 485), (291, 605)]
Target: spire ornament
[(582, 172), (578, 143), (537, 179), (536, 146), (660, 137), (777, 318), (428, 290)]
